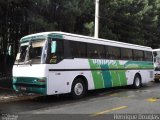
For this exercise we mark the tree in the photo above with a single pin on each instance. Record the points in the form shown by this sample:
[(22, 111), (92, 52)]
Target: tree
[(150, 23), (130, 21)]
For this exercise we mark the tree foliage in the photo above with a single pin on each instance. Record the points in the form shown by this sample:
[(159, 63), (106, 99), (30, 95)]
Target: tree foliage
[(132, 21)]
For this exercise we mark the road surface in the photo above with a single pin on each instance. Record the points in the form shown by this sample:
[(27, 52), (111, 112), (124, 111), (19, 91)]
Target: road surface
[(99, 104)]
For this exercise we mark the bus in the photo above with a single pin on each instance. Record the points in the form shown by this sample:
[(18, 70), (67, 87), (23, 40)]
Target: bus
[(156, 53), (51, 63)]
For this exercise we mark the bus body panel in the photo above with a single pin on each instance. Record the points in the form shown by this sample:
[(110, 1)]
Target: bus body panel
[(121, 73), (64, 73), (99, 74), (30, 78), (33, 70)]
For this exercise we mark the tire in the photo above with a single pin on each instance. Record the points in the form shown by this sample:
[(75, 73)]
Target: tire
[(137, 81), (156, 80), (78, 89)]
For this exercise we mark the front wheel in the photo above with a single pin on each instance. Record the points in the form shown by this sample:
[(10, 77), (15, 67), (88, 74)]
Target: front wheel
[(78, 89), (137, 81)]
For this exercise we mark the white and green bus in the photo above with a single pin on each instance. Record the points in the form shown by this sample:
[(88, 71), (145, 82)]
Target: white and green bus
[(51, 63), (157, 64)]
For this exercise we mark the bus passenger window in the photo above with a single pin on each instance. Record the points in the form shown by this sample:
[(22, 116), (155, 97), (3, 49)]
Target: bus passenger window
[(92, 52), (78, 49), (148, 56), (113, 52), (138, 55)]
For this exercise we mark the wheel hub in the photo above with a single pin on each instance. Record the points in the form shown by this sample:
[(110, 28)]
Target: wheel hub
[(78, 89), (137, 82)]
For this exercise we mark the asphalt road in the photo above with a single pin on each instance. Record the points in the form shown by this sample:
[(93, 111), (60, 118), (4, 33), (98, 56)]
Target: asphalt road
[(142, 103)]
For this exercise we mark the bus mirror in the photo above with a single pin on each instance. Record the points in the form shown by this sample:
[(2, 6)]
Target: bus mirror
[(53, 47)]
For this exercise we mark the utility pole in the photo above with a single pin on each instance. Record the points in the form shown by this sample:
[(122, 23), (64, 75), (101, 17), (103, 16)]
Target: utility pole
[(96, 24)]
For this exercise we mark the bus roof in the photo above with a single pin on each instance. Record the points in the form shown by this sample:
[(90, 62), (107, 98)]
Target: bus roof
[(70, 36), (156, 49)]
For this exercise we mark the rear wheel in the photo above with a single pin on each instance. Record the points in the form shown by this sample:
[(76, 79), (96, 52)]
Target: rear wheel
[(78, 89), (137, 81), (156, 80)]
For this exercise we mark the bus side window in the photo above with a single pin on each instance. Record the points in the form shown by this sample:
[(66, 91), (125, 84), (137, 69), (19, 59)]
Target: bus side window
[(123, 54), (109, 52), (138, 55), (148, 56), (92, 52), (113, 52), (134, 55), (77, 49), (128, 54), (106, 51), (117, 53), (101, 51), (141, 55)]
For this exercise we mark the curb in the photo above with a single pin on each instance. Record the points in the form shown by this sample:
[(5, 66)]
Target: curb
[(5, 99), (9, 95)]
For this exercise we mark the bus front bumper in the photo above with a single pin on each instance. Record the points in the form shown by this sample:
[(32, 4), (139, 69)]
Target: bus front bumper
[(30, 85)]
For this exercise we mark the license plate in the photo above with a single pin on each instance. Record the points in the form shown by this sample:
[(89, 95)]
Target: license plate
[(23, 88)]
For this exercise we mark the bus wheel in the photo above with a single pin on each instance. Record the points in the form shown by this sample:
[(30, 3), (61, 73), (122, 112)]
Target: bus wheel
[(156, 80), (78, 89), (137, 81)]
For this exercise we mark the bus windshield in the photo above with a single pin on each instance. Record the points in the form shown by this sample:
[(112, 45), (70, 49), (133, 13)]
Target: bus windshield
[(30, 53)]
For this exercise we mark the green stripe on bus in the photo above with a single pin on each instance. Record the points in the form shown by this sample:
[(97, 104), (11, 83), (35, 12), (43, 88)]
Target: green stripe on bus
[(122, 74), (106, 76), (138, 64), (56, 35), (29, 80), (112, 78), (97, 76), (25, 81)]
